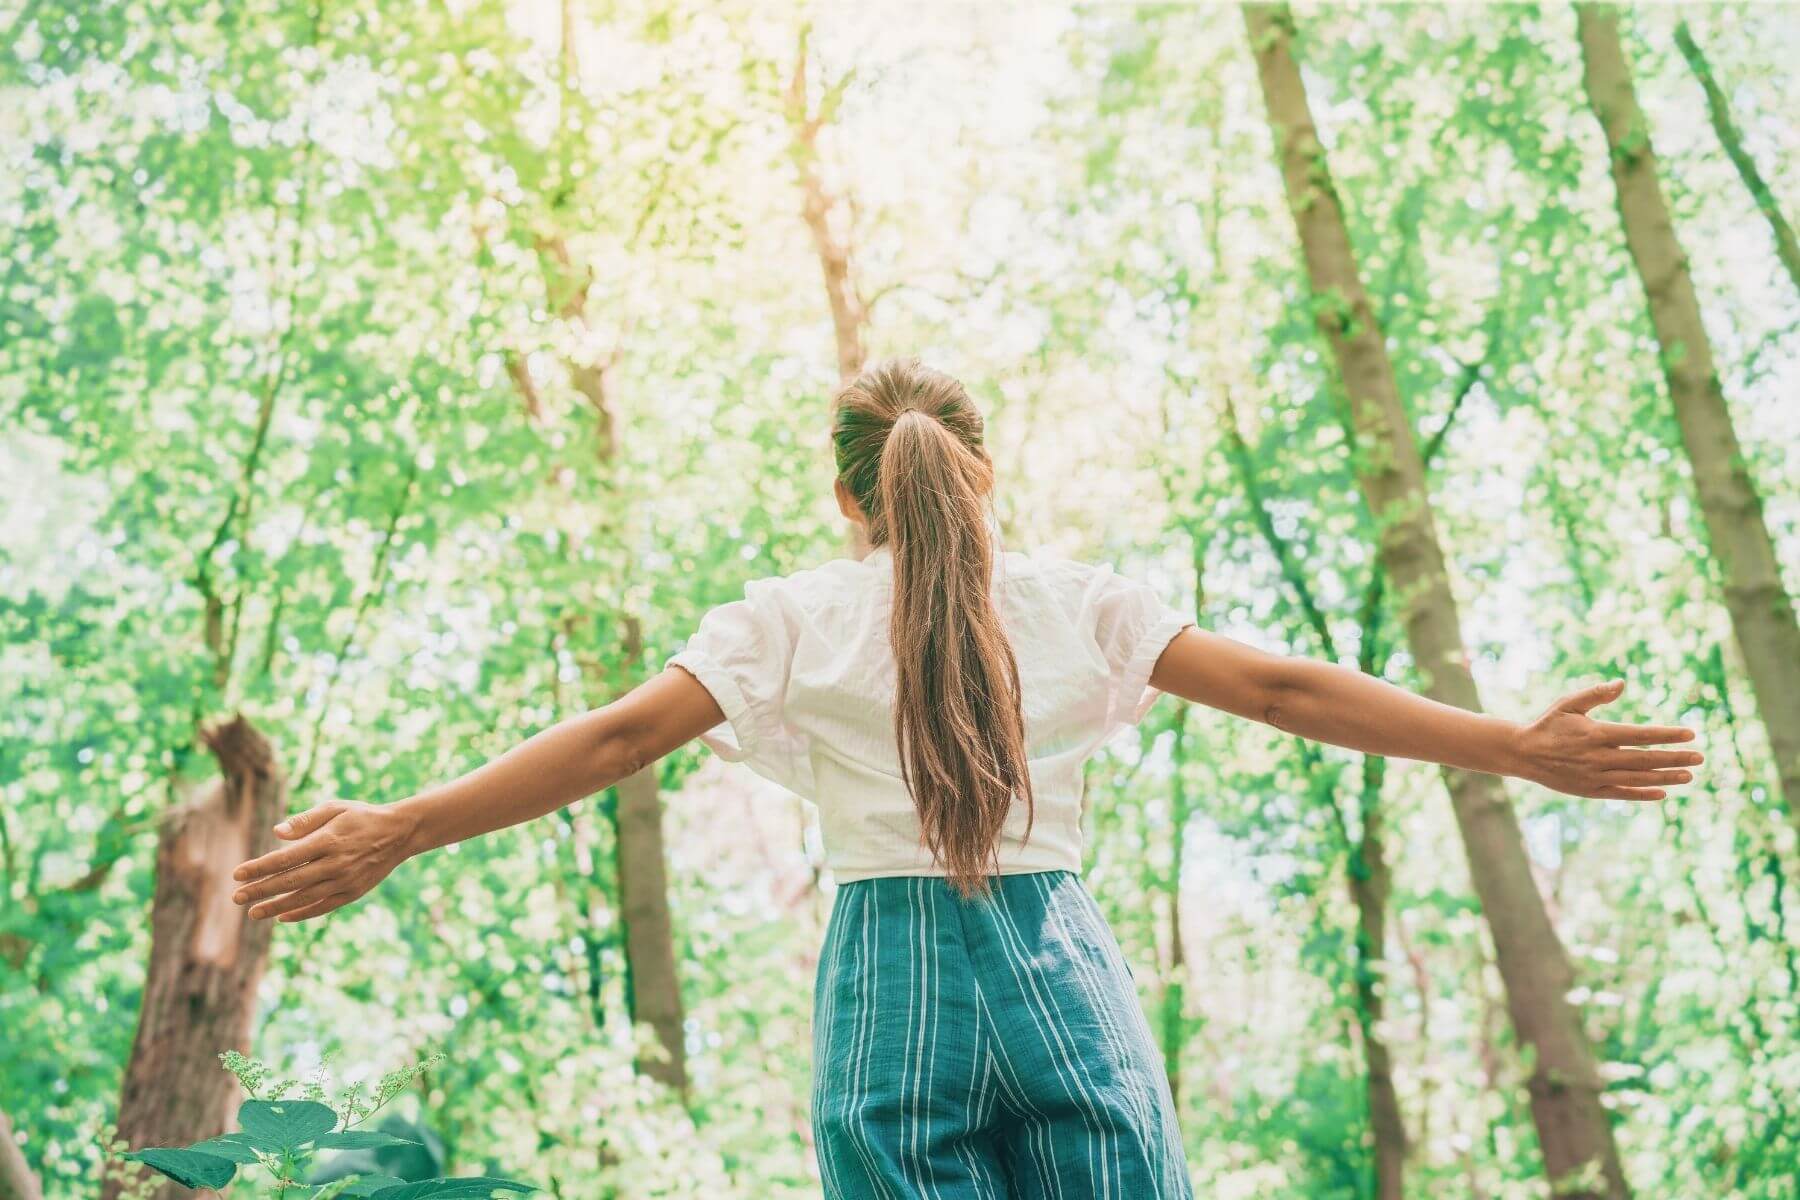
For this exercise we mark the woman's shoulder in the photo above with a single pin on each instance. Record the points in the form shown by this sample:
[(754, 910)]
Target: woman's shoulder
[(1061, 583), (810, 588), (1089, 589), (1056, 570)]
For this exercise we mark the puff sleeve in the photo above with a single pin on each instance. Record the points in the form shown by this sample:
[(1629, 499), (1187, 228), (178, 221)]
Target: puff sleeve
[(742, 652), (1132, 626)]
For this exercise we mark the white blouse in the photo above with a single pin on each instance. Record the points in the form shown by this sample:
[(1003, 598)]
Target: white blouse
[(803, 670)]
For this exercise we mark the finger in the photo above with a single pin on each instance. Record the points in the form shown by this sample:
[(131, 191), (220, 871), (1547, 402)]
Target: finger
[(277, 861), (1590, 697), (304, 875), (330, 903), (1649, 760), (1648, 778), (1628, 793), (310, 821), (295, 900), (1620, 734)]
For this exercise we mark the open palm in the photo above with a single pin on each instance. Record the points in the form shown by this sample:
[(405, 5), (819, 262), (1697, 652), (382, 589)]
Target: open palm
[(1568, 751)]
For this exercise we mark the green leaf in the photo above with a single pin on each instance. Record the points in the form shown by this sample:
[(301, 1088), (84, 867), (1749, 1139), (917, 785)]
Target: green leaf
[(234, 1146), (368, 1185), (360, 1139), (285, 1124), (477, 1187), (189, 1168)]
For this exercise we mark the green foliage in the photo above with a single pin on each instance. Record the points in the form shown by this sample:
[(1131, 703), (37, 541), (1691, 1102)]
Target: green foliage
[(281, 1136), (290, 428)]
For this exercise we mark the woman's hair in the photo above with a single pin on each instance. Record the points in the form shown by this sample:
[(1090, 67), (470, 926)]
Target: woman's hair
[(908, 447)]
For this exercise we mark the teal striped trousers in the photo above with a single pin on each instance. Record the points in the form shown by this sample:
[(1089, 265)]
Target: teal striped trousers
[(985, 1049)]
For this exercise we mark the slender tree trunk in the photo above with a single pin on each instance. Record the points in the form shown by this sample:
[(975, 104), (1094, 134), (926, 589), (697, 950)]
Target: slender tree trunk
[(834, 263), (1786, 248), (1370, 886), (1421, 977), (1366, 866), (17, 1181), (817, 205), (653, 989), (652, 983), (1762, 613), (1572, 1125), (1174, 998), (206, 955)]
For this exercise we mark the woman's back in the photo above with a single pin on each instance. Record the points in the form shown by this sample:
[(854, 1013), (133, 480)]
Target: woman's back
[(803, 668)]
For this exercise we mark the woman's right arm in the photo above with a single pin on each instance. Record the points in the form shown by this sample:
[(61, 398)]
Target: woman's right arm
[(340, 850)]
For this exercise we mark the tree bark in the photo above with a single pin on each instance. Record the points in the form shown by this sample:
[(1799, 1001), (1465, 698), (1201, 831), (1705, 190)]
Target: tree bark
[(1786, 248), (1573, 1127), (206, 955), (817, 204), (653, 989), (17, 1181), (1762, 611), (652, 983), (1370, 886)]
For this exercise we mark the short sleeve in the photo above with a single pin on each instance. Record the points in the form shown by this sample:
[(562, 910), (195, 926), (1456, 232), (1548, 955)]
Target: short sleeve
[(1132, 626), (742, 653)]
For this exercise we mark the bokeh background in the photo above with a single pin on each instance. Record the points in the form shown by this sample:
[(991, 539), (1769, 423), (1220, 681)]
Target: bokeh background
[(402, 377)]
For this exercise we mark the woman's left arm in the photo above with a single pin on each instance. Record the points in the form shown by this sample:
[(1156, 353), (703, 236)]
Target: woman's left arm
[(342, 849), (1562, 749)]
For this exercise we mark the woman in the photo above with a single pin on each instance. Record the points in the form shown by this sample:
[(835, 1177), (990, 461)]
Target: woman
[(976, 1029)]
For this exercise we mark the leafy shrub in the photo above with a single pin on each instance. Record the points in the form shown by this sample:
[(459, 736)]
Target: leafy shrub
[(279, 1134)]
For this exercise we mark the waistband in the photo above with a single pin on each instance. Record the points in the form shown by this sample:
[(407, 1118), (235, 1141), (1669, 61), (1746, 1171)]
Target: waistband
[(1003, 883)]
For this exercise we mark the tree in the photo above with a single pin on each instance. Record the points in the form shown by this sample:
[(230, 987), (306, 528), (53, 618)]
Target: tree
[(440, 560), (1574, 1130), (206, 956), (1718, 110), (1761, 608), (827, 216), (549, 220), (1362, 842)]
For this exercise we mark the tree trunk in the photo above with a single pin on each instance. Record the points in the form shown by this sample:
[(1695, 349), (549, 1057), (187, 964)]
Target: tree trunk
[(817, 204), (1370, 886), (652, 989), (1762, 614), (17, 1181), (1366, 867), (1572, 1125), (652, 986), (1174, 998), (1786, 248), (206, 955)]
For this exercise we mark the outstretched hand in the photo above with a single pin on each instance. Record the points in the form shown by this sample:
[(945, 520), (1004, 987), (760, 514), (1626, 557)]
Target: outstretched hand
[(340, 850), (1568, 751)]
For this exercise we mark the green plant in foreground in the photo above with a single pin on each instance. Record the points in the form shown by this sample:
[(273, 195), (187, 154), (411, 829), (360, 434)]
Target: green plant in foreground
[(280, 1134)]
